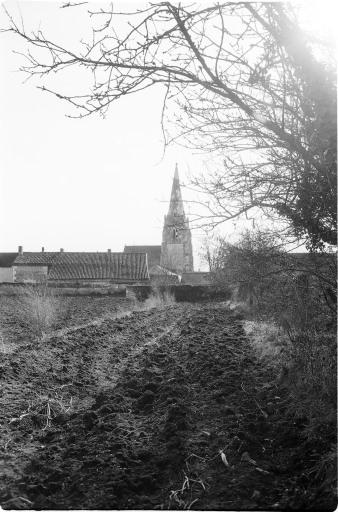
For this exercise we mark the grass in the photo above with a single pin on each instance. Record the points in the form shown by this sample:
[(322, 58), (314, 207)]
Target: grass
[(40, 308), (268, 339), (5, 346), (294, 334), (158, 298), (45, 408), (312, 379)]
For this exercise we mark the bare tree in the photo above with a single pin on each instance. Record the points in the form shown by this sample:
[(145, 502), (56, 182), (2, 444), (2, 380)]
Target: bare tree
[(240, 79)]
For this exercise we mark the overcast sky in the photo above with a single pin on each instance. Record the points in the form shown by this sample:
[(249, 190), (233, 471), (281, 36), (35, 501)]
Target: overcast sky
[(84, 185)]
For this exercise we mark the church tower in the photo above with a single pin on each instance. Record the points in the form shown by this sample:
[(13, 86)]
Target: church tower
[(176, 253)]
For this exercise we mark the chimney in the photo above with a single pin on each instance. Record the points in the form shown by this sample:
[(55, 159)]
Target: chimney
[(62, 250), (42, 249), (109, 251), (20, 249)]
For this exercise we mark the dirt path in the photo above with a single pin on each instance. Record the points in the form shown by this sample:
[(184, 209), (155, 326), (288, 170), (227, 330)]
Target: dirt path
[(155, 397)]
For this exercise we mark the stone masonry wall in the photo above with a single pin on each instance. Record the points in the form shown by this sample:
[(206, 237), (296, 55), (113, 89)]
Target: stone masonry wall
[(26, 273)]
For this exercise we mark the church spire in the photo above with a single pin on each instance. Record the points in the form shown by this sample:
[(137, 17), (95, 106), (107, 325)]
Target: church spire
[(176, 252), (176, 203), (176, 173)]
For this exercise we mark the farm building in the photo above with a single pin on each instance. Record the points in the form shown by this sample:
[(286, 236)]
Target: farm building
[(6, 266), (114, 267), (32, 266), (71, 267)]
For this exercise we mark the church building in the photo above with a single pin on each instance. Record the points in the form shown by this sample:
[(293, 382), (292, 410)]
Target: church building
[(174, 255)]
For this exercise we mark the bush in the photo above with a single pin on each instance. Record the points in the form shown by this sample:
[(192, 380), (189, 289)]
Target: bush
[(290, 300), (297, 291), (311, 378)]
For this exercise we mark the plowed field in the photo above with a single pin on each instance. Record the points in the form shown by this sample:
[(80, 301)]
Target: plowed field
[(166, 408)]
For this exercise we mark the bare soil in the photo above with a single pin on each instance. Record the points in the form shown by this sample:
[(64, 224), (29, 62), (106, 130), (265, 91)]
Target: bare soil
[(160, 409)]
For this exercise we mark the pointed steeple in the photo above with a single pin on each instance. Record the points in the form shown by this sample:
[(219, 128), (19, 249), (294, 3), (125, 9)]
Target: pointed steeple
[(176, 252), (176, 203), (176, 173)]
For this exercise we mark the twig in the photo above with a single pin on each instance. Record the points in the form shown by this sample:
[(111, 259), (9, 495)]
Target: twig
[(265, 414)]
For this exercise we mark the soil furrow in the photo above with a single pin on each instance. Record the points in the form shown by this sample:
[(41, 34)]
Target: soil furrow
[(159, 397)]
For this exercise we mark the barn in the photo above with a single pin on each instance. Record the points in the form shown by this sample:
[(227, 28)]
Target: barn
[(74, 267)]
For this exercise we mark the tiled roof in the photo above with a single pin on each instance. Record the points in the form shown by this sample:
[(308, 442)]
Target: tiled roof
[(99, 265), (153, 252), (161, 271), (35, 258), (7, 258)]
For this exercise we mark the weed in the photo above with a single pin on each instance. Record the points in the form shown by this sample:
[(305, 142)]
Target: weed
[(158, 298), (5, 346), (182, 498), (268, 340), (45, 408), (40, 308)]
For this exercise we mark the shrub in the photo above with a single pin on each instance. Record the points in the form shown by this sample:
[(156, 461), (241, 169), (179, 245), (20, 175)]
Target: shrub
[(311, 378), (291, 302)]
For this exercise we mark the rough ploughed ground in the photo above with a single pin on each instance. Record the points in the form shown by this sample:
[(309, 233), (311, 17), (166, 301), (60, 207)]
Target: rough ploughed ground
[(153, 398)]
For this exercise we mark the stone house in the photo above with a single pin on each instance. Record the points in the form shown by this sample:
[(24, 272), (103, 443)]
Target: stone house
[(31, 267), (6, 266)]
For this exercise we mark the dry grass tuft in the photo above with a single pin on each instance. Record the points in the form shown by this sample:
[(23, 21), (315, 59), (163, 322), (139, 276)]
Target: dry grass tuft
[(46, 408), (40, 308), (268, 340), (160, 297), (5, 346)]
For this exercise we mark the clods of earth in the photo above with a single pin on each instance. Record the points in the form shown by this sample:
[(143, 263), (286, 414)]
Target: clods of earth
[(161, 409)]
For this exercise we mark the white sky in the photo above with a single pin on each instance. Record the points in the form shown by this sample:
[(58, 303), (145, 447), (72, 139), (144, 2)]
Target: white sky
[(84, 185)]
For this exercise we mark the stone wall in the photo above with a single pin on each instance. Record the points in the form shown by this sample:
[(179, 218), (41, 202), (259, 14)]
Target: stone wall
[(181, 293), (6, 275), (30, 273)]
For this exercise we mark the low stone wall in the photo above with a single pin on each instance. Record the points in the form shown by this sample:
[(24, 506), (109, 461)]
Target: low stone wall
[(99, 283), (10, 289), (181, 293), (91, 292)]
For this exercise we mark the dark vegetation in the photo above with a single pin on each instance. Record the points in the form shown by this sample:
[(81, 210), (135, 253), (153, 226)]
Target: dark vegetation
[(296, 293)]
